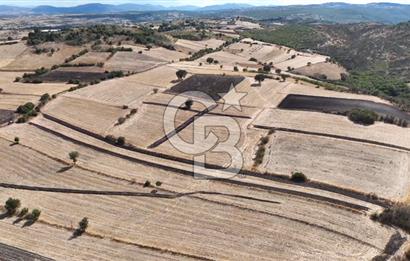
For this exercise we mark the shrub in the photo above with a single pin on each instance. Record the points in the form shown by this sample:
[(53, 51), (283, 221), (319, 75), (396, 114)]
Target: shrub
[(278, 71), (121, 141), (26, 108), (158, 183), (34, 215), (16, 140), (147, 184), (23, 212), (181, 74), (83, 225), (298, 177), (363, 116), (235, 69), (121, 120), (111, 139), (155, 90), (266, 68), (264, 140), (74, 156), (133, 111), (260, 154), (259, 78), (45, 98), (188, 104), (22, 119), (12, 204), (252, 59), (210, 60), (397, 215)]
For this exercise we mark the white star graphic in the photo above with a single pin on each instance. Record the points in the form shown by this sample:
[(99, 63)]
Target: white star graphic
[(232, 98)]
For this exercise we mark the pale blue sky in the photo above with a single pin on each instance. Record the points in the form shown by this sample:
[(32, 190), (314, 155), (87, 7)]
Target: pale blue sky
[(183, 2)]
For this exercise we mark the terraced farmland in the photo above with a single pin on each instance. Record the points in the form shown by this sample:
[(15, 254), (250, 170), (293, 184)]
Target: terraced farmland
[(106, 152)]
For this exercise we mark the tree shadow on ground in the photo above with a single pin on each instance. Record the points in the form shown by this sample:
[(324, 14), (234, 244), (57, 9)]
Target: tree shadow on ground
[(64, 169), (28, 223), (78, 232), (18, 220), (4, 215)]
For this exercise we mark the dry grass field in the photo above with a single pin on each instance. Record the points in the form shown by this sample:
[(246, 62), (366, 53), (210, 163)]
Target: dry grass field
[(362, 167), (144, 224), (160, 77), (84, 113), (187, 46), (28, 60), (329, 124), (330, 70), (131, 62), (118, 92), (159, 53), (10, 52), (92, 58)]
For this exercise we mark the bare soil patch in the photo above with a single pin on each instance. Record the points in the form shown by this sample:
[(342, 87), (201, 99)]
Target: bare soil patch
[(339, 105)]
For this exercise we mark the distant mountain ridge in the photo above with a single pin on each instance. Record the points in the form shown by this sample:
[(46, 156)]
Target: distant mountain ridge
[(337, 12), (110, 8)]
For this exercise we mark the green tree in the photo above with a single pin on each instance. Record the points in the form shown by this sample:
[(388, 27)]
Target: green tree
[(181, 74), (12, 204), (74, 156), (259, 78)]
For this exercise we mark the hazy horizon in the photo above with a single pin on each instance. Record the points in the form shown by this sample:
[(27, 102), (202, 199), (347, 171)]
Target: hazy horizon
[(64, 3)]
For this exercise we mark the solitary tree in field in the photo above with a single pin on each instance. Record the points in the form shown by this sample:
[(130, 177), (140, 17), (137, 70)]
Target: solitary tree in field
[(181, 74), (74, 156), (189, 103), (259, 78)]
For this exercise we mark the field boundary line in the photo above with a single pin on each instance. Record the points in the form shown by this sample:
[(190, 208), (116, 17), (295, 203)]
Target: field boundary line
[(122, 241), (340, 137), (119, 193), (186, 172)]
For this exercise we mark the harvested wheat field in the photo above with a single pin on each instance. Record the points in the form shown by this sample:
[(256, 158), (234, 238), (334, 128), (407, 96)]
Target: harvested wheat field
[(147, 126), (28, 60), (209, 212), (322, 70), (226, 58), (188, 46), (131, 62), (390, 135), (85, 114), (92, 58), (159, 53), (160, 77), (118, 92), (261, 52), (10, 52), (301, 60), (363, 167)]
